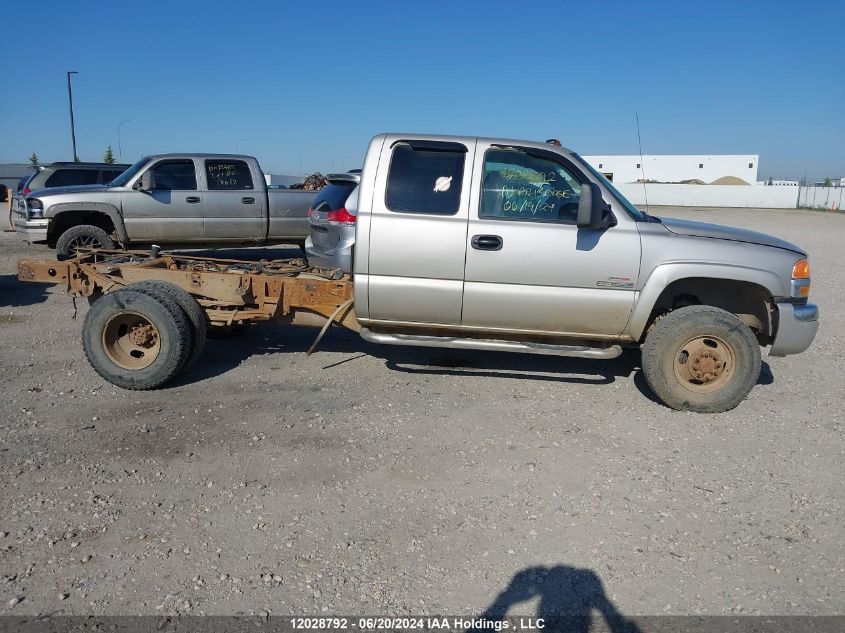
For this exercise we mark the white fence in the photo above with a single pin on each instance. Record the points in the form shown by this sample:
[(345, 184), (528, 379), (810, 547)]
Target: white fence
[(761, 196)]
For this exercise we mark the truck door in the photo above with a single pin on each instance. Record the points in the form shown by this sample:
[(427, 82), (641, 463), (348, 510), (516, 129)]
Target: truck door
[(234, 204), (529, 268), (418, 230), (170, 208)]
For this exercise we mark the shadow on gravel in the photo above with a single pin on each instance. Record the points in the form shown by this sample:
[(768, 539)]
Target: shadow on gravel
[(14, 293), (227, 351), (570, 598)]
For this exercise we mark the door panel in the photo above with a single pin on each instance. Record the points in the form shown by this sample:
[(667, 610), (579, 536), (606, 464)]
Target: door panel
[(171, 211), (235, 206), (547, 276), (417, 243)]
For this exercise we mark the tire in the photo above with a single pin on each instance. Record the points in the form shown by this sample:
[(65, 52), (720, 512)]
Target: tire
[(86, 235), (196, 315), (147, 361), (702, 359)]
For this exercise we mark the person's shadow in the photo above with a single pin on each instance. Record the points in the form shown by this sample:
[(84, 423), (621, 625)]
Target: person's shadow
[(569, 599)]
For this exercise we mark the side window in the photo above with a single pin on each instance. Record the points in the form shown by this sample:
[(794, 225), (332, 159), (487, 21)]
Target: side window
[(227, 175), (174, 175), (520, 186), (425, 179), (70, 177)]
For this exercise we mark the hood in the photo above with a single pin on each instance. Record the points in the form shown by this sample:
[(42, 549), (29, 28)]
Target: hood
[(720, 232), (60, 191)]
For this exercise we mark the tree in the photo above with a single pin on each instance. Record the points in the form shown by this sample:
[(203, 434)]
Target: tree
[(827, 183), (33, 160), (109, 157)]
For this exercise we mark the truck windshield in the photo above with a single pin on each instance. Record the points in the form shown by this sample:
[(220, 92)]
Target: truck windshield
[(634, 212), (126, 176)]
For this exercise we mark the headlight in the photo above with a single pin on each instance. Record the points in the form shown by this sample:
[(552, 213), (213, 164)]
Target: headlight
[(36, 208)]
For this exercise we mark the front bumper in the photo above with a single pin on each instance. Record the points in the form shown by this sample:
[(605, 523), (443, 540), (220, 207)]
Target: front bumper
[(30, 230), (796, 329)]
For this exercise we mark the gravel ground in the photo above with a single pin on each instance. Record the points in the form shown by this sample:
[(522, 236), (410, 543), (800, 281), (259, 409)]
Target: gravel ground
[(368, 479)]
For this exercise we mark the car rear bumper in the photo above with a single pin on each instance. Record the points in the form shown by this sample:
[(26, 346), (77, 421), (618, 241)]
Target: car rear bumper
[(30, 230), (336, 258), (797, 327)]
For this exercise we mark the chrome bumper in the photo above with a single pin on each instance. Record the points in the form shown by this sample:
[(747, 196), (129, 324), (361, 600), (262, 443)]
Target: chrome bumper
[(797, 327), (30, 230)]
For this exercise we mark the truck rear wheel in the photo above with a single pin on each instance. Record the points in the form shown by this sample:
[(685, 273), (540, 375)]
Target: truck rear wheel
[(135, 340), (702, 359), (192, 309), (82, 236)]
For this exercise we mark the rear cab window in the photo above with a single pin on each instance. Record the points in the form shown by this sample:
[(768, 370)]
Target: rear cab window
[(70, 177), (425, 177), (228, 175)]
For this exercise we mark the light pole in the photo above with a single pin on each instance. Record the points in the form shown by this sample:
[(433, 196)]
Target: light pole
[(301, 173), (119, 147), (70, 104), (238, 145)]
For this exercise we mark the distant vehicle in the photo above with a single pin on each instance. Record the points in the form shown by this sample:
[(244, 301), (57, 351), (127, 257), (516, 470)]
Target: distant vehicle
[(63, 174), (174, 200), (331, 221), (4, 193)]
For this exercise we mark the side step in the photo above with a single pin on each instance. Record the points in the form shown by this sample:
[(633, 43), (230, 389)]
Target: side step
[(579, 351)]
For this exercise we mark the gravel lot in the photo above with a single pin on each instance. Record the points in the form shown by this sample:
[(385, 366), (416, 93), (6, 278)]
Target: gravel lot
[(368, 479)]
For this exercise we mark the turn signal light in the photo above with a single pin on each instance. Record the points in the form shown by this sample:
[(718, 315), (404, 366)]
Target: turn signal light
[(801, 269)]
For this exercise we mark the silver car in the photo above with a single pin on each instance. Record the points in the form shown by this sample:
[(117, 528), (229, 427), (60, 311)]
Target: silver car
[(331, 220)]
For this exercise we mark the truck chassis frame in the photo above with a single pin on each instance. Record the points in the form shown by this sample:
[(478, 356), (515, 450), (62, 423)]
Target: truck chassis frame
[(231, 292)]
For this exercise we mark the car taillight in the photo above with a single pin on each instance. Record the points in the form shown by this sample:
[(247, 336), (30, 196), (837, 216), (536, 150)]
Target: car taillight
[(341, 215), (27, 191)]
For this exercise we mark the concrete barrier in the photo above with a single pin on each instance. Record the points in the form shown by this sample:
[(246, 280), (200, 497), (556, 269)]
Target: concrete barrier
[(760, 196)]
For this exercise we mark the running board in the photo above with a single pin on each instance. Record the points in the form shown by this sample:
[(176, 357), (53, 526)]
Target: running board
[(579, 351)]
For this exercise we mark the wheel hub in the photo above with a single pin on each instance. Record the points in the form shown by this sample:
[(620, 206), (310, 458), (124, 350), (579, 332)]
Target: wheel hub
[(143, 335), (704, 364), (707, 365)]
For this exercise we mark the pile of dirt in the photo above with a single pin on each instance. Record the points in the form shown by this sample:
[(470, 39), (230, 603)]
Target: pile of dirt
[(313, 182), (729, 180)]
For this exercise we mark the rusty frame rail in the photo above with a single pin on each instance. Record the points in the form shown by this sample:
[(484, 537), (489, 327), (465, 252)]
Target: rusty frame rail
[(232, 292)]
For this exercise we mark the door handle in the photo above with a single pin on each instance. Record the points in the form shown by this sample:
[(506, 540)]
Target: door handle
[(487, 242), (192, 199), (248, 200)]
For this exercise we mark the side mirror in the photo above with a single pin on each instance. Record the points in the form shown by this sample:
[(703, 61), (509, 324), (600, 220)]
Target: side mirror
[(592, 209), (145, 183)]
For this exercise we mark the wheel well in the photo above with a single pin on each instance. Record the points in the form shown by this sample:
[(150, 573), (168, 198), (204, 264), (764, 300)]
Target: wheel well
[(750, 302), (67, 219)]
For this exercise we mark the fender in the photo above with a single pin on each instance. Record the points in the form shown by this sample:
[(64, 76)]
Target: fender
[(665, 274), (92, 207)]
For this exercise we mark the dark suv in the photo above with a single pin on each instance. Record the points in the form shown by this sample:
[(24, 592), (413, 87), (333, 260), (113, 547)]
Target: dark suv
[(65, 174)]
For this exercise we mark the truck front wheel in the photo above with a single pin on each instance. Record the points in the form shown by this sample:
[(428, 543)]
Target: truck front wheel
[(702, 359), (82, 236)]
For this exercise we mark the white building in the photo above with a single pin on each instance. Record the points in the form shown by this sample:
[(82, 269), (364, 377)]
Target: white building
[(678, 167)]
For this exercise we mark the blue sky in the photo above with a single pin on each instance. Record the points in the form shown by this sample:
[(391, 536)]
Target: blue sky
[(705, 77)]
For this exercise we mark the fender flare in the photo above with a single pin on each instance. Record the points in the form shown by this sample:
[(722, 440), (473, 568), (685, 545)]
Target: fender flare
[(666, 274), (92, 207)]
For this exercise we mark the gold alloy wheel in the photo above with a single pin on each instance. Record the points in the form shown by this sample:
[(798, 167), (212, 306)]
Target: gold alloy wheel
[(131, 341), (704, 364)]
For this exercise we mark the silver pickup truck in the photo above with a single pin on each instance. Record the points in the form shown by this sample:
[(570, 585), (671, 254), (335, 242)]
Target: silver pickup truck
[(483, 244), (185, 200)]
